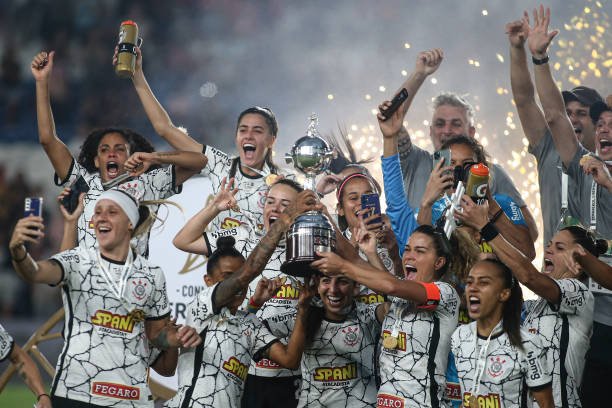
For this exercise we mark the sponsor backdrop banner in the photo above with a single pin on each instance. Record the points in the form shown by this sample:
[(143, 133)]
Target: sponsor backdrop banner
[(184, 272)]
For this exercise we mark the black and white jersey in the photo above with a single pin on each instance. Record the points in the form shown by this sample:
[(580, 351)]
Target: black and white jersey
[(105, 358), (251, 196), (338, 368), (413, 374), (6, 344), (565, 330), (506, 368), (213, 373), (157, 184), (284, 301)]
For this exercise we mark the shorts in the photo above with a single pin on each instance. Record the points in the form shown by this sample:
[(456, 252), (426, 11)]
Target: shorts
[(271, 392)]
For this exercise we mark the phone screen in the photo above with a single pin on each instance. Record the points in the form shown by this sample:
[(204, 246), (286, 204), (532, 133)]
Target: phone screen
[(371, 201), (33, 206)]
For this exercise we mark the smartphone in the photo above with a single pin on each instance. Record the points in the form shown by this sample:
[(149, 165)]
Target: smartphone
[(71, 200), (442, 154), (371, 201), (33, 206), (395, 103)]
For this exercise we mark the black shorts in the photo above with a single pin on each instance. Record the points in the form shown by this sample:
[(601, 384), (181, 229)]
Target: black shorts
[(271, 392), (68, 403)]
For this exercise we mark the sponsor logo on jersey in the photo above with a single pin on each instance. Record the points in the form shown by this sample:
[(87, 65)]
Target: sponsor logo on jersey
[(122, 323), (401, 340), (497, 366), (287, 291), (113, 390), (534, 366), (387, 400), (265, 363), (229, 223), (351, 335), (225, 232), (453, 391), (131, 187), (139, 289), (488, 401), (370, 298), (235, 367), (334, 374)]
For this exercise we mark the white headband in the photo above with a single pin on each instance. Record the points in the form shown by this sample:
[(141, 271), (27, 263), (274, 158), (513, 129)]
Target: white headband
[(127, 203)]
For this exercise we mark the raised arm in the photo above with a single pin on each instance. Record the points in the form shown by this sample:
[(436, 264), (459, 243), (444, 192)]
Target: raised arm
[(31, 376), (426, 64), (71, 220), (259, 257), (440, 180), (561, 128), (186, 163), (159, 118), (531, 117), (30, 230), (56, 150), (600, 271), (191, 237)]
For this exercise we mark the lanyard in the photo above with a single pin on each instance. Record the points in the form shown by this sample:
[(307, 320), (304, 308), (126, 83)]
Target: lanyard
[(593, 206), (481, 362), (564, 189), (127, 267)]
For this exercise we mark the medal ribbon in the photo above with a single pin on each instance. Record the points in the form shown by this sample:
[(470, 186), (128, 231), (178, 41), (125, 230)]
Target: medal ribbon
[(481, 363), (127, 267)]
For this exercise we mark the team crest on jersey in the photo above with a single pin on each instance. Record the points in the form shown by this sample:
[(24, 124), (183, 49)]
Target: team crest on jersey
[(139, 289), (262, 199), (497, 366), (236, 368), (229, 223), (113, 323), (113, 390), (489, 400), (131, 187), (351, 335)]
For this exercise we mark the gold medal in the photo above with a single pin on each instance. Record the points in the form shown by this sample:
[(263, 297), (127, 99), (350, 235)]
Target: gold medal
[(473, 401), (235, 208), (138, 315), (390, 342), (271, 179)]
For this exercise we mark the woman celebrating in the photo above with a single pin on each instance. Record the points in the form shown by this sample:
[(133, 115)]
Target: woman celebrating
[(253, 169), (563, 313), (213, 374), (114, 302), (494, 357), (418, 322), (105, 158)]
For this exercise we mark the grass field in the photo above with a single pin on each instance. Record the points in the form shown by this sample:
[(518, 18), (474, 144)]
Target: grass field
[(17, 396)]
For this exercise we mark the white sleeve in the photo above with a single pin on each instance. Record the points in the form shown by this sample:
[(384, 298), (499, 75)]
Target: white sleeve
[(574, 298), (6, 344), (538, 374), (158, 305)]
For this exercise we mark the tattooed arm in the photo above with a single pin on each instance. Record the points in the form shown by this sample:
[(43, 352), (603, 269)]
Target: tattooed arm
[(164, 334), (259, 257), (29, 373), (186, 164)]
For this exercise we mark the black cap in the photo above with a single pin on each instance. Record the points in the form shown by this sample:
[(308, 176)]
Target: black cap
[(582, 94), (597, 109)]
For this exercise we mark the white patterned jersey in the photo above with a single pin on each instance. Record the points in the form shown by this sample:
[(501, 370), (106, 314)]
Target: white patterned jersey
[(506, 370), (284, 301), (213, 373), (6, 344), (338, 368), (251, 196), (565, 330), (156, 184), (413, 374), (104, 360)]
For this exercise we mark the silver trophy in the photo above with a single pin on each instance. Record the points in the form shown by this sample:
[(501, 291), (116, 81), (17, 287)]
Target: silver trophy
[(312, 231)]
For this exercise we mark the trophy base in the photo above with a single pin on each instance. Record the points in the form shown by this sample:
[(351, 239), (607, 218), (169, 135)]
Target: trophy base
[(299, 267)]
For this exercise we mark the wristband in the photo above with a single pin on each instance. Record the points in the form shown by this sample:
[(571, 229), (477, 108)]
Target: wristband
[(495, 216), (42, 395), (433, 296), (488, 232), (539, 61), (253, 307)]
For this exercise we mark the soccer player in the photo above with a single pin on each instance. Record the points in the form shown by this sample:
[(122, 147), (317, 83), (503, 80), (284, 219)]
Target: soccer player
[(497, 362), (114, 302)]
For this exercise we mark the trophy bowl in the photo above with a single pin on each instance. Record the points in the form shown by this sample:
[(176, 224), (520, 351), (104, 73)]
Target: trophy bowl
[(310, 233), (311, 155)]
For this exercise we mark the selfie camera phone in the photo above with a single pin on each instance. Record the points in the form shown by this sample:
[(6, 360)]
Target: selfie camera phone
[(71, 200), (371, 201), (33, 206), (395, 103)]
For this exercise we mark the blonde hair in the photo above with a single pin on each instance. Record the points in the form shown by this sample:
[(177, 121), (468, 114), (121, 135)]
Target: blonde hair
[(148, 217)]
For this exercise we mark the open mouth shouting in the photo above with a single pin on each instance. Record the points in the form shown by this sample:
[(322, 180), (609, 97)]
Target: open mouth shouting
[(249, 151), (549, 267), (605, 146), (473, 304), (411, 271), (112, 169)]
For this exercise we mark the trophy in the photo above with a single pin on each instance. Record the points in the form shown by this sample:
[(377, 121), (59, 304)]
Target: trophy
[(312, 231)]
